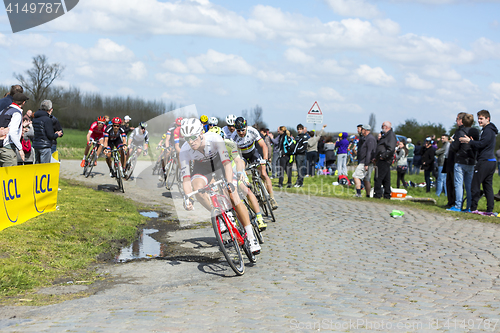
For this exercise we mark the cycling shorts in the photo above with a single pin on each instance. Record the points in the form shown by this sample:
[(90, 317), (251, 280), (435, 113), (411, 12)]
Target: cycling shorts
[(252, 157), (209, 170), (118, 143)]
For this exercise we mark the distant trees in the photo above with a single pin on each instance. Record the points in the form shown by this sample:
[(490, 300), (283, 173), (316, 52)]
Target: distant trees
[(372, 122), (38, 79), (254, 117), (412, 129)]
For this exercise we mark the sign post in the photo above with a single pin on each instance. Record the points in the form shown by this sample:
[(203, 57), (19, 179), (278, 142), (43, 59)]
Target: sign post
[(315, 116)]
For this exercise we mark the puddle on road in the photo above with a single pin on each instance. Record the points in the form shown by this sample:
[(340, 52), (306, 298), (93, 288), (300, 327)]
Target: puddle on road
[(153, 242)]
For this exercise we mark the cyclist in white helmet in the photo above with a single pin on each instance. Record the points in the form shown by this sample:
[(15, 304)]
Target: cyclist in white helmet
[(209, 155), (229, 128)]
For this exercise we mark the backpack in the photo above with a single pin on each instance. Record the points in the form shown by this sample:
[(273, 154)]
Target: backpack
[(343, 180), (289, 145), (300, 146)]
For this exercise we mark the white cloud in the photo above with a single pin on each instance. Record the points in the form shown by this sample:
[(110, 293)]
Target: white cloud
[(463, 87), (375, 76), (413, 81), (138, 71), (212, 62), (328, 93), (272, 76), (125, 91), (173, 80), (331, 66), (85, 70), (354, 8), (297, 56), (495, 89), (485, 48), (107, 50), (441, 72), (88, 87)]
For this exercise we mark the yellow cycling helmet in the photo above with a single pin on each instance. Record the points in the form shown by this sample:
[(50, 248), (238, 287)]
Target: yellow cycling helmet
[(217, 129), (204, 118), (164, 136)]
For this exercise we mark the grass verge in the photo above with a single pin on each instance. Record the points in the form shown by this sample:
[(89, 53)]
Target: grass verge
[(63, 245)]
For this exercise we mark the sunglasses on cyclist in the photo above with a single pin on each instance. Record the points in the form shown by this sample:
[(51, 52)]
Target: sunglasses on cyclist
[(116, 125), (191, 138), (101, 122), (241, 130)]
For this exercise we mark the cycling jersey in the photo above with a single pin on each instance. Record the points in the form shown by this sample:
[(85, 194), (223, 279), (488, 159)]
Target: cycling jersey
[(206, 162), (115, 139), (138, 138), (247, 143), (178, 138), (227, 132), (95, 132)]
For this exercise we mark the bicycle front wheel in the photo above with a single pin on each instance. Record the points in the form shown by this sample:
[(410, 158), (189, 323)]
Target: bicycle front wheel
[(131, 165), (119, 178), (89, 164), (228, 243), (253, 220), (171, 174), (267, 200)]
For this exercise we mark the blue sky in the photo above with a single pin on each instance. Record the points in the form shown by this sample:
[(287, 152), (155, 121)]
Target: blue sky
[(398, 59)]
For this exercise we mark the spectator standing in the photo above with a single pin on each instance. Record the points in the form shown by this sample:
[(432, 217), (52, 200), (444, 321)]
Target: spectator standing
[(312, 151), (285, 145), (44, 133), (126, 125), (485, 161), (13, 116), (26, 143), (300, 154), (464, 164), (276, 153), (449, 165), (57, 128), (365, 166), (330, 156), (384, 154), (402, 163), (498, 161), (441, 154), (417, 157), (411, 151), (428, 162), (8, 98), (341, 145)]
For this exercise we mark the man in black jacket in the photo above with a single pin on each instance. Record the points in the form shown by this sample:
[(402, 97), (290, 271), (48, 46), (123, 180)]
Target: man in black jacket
[(365, 154), (300, 154), (57, 127), (384, 155), (44, 133), (486, 162), (465, 159)]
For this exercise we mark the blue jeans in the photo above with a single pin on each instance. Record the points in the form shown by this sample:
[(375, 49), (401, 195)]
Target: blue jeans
[(410, 165), (42, 155), (463, 178), (441, 182)]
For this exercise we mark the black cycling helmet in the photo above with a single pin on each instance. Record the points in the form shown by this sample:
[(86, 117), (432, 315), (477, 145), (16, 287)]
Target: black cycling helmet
[(240, 123)]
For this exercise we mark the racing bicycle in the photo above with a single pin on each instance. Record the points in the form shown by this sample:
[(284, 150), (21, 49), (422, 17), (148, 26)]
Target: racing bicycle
[(171, 170), (260, 191), (117, 168), (229, 232), (91, 158), (157, 167)]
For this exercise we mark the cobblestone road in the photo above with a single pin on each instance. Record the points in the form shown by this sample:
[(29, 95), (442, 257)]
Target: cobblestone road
[(339, 265)]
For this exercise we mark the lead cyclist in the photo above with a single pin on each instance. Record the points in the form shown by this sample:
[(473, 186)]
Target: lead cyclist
[(209, 155), (246, 137)]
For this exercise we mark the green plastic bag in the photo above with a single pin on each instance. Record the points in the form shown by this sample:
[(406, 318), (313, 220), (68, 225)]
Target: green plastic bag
[(397, 213)]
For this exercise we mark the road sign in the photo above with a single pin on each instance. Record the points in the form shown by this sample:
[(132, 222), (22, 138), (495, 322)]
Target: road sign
[(315, 116)]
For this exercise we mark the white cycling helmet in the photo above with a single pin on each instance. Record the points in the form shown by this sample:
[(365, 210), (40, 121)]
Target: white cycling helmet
[(230, 119), (213, 121), (191, 127)]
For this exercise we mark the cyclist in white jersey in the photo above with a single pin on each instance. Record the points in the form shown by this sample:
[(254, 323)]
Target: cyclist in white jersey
[(246, 137), (209, 155), (138, 138), (229, 128)]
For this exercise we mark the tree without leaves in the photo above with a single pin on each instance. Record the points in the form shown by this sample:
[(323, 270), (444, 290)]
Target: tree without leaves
[(38, 79), (372, 122)]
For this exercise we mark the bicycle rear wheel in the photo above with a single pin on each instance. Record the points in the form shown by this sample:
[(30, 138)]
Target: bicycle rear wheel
[(89, 164), (267, 200), (171, 174), (130, 165), (253, 220), (227, 243)]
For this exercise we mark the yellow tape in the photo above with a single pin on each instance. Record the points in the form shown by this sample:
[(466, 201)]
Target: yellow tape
[(27, 191)]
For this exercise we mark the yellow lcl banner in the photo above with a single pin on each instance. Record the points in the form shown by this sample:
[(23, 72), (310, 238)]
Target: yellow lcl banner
[(27, 191)]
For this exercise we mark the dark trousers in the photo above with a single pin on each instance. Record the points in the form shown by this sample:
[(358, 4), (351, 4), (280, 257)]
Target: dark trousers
[(401, 178), (383, 177), (312, 156), (427, 174), (483, 175), (300, 160), (285, 166), (450, 187)]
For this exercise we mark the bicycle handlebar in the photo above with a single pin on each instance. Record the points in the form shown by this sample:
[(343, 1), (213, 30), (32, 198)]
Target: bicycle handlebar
[(205, 188)]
